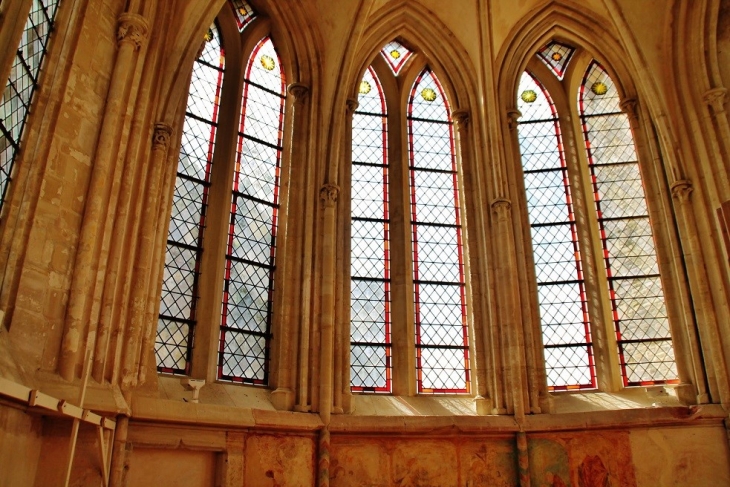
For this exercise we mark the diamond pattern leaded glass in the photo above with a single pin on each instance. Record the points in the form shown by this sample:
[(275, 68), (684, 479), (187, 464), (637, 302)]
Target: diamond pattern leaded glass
[(561, 292), (20, 88), (396, 55), (251, 251), (640, 318), (556, 56), (244, 13), (370, 340), (442, 349), (176, 323)]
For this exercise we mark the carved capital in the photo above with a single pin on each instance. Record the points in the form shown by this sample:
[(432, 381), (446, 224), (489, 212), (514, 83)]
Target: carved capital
[(629, 107), (298, 90), (461, 117), (328, 194), (352, 105), (161, 136), (501, 207), (513, 115), (682, 189), (133, 29), (715, 98)]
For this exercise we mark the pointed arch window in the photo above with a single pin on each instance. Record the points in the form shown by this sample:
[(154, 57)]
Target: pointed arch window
[(370, 293), (612, 218), (646, 355), (442, 350), (21, 86), (250, 260), (177, 318), (561, 286)]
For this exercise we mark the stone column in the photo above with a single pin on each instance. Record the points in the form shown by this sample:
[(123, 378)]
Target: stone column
[(523, 459), (343, 394), (699, 287), (132, 34), (283, 396), (507, 298), (328, 194), (715, 98), (143, 304), (323, 458)]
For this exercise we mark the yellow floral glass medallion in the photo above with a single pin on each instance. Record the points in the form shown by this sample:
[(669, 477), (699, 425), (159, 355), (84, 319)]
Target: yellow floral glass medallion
[(364, 87), (529, 96), (599, 88), (394, 54), (557, 56), (208, 35), (428, 94), (268, 62)]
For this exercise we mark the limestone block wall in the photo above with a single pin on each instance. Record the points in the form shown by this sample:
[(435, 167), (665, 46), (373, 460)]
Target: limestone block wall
[(83, 232)]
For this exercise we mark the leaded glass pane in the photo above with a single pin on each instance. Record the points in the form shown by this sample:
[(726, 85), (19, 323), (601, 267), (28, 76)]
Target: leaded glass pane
[(18, 93), (396, 54), (177, 318), (640, 317), (243, 12), (442, 347), (370, 339), (560, 284), (556, 56), (251, 251)]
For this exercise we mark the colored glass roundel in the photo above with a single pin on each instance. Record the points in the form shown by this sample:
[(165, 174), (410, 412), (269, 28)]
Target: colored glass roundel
[(364, 88), (556, 56), (599, 88), (529, 96), (428, 94), (396, 55), (268, 62)]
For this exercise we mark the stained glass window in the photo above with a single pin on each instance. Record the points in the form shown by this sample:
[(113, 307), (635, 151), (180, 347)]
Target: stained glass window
[(560, 283), (243, 12), (396, 55), (251, 250), (442, 351), (18, 94), (370, 312), (556, 56), (640, 318), (177, 317)]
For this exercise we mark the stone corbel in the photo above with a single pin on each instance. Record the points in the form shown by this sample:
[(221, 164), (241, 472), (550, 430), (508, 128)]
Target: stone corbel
[(682, 190), (501, 207), (715, 99), (133, 29), (461, 118), (512, 116), (299, 91), (328, 194), (161, 137), (352, 105), (630, 107)]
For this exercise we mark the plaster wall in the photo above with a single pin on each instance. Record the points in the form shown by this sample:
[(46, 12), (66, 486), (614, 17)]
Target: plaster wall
[(20, 446)]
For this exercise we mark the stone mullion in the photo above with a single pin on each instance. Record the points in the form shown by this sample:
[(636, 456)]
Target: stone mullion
[(684, 337), (13, 16), (715, 99), (699, 284), (131, 36), (283, 397), (530, 321)]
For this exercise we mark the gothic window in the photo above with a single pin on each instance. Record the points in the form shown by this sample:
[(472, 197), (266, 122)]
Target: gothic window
[(613, 218), (416, 213), (639, 315), (251, 250), (370, 242), (218, 286), (442, 350), (177, 318), (20, 88)]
